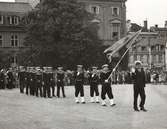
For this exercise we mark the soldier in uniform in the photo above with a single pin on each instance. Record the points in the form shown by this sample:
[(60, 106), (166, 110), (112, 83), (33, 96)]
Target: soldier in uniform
[(106, 86), (46, 80), (21, 77), (38, 81), (27, 78), (138, 76), (51, 80), (32, 81), (79, 82), (60, 81), (2, 79), (10, 79), (94, 81)]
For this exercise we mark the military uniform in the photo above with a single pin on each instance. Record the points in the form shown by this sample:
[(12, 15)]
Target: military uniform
[(39, 81), (94, 81), (10, 79), (2, 80), (32, 81), (21, 76), (139, 81), (46, 86), (79, 82), (60, 81), (106, 86)]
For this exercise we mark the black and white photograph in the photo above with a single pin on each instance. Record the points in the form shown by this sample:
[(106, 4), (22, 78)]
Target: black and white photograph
[(83, 64)]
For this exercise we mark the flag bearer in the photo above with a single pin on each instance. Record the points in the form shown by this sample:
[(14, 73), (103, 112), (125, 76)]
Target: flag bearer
[(106, 86)]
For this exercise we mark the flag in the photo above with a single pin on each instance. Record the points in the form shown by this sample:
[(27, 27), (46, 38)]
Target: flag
[(128, 40)]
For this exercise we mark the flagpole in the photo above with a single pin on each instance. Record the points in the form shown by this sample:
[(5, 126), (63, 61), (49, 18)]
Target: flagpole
[(123, 56)]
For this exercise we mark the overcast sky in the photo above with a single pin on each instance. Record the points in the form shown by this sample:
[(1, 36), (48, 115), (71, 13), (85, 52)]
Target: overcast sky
[(155, 11)]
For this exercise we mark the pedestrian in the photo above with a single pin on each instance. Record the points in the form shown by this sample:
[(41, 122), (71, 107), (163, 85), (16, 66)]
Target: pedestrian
[(60, 81), (94, 82), (138, 76), (79, 84), (106, 85)]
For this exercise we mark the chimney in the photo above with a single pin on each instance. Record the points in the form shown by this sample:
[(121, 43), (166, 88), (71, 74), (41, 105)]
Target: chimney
[(145, 25), (156, 26), (165, 24)]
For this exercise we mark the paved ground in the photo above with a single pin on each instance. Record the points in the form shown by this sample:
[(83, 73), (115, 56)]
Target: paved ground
[(18, 111)]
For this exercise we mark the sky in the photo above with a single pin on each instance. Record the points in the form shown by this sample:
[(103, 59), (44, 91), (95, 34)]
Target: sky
[(154, 11)]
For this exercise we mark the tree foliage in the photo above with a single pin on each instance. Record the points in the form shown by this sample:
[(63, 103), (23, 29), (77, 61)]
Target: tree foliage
[(60, 32)]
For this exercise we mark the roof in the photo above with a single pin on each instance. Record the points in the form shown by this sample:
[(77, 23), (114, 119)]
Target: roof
[(15, 7)]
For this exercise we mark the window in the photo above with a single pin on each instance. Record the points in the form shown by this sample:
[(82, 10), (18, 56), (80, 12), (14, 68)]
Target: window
[(143, 48), (115, 31), (1, 19), (95, 9), (14, 40), (115, 11), (13, 20), (1, 40)]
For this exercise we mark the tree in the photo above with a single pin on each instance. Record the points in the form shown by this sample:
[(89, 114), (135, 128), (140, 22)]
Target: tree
[(60, 32)]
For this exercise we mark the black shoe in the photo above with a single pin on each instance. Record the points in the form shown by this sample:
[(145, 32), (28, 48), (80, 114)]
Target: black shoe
[(143, 109), (113, 105), (64, 96), (83, 102), (136, 110)]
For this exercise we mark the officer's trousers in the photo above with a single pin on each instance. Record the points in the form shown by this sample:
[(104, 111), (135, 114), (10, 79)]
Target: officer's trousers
[(94, 89), (39, 89), (60, 85), (106, 89), (79, 89), (46, 90), (139, 91)]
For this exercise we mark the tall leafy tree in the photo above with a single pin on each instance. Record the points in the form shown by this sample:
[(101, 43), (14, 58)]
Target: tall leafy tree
[(61, 32)]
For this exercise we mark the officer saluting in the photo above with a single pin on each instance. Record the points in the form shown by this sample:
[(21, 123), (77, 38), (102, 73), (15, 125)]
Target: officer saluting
[(94, 81), (60, 81), (79, 82), (138, 76), (106, 85)]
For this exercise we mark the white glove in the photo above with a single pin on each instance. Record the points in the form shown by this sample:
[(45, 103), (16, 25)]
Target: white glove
[(133, 70), (106, 81)]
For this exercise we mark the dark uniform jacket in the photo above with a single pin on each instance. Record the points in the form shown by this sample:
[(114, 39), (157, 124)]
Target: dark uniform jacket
[(139, 79), (2, 78), (104, 76), (60, 77), (48, 78), (79, 77), (93, 78)]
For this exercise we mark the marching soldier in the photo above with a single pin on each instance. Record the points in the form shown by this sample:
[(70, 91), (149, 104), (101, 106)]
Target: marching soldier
[(38, 82), (60, 81), (46, 80), (138, 76), (79, 82), (94, 81), (2, 79), (21, 77), (106, 86)]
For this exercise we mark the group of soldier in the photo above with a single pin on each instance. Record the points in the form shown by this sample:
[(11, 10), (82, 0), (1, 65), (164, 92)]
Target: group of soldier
[(37, 81), (41, 82)]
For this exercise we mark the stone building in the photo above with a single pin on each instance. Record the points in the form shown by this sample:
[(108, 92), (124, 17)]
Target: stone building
[(150, 49), (12, 34)]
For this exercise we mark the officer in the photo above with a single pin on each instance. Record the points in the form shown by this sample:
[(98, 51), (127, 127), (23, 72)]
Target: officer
[(60, 81), (46, 82), (79, 82), (106, 86), (32, 81), (21, 77), (2, 79), (51, 80), (38, 82), (94, 81), (27, 78), (138, 76), (10, 79)]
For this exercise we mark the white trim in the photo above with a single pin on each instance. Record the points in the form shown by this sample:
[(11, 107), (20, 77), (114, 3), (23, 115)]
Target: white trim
[(98, 9)]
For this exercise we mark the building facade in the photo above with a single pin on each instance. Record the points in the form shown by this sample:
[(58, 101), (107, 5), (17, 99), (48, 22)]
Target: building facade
[(150, 49), (111, 17), (12, 34), (109, 14)]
